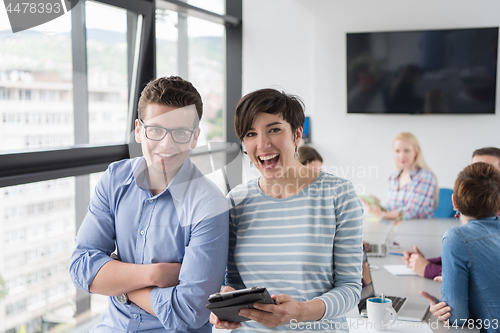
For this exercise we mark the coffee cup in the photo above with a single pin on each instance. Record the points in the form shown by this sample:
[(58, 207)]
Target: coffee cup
[(379, 313)]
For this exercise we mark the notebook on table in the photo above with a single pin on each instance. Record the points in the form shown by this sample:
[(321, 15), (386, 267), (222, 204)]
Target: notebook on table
[(407, 308)]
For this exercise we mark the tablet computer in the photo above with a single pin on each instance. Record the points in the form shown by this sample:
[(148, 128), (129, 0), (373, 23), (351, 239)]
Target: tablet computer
[(226, 306)]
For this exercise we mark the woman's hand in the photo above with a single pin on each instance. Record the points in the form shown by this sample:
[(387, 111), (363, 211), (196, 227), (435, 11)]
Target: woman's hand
[(221, 324), (415, 260), (372, 209), (406, 257), (440, 310), (287, 309)]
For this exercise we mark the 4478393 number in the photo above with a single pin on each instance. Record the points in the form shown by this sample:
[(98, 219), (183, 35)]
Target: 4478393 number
[(475, 323), (33, 8)]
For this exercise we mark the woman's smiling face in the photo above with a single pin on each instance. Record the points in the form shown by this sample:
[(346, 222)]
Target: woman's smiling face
[(270, 144), (404, 154)]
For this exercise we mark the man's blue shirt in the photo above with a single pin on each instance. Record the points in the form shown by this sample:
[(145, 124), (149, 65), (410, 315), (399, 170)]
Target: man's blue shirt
[(187, 223)]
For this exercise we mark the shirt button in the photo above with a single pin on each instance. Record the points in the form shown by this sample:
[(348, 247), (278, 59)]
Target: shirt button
[(142, 232), (135, 316), (150, 200)]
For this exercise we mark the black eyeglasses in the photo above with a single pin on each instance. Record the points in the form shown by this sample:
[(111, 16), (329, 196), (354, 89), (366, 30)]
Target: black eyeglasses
[(157, 133)]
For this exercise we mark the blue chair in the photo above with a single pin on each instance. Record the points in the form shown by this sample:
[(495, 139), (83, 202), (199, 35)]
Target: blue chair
[(445, 205)]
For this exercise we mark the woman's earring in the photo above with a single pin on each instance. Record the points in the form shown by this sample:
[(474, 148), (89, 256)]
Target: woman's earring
[(296, 155), (457, 214), (251, 163)]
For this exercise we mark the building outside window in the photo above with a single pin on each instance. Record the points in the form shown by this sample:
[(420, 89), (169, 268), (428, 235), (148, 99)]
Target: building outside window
[(38, 220)]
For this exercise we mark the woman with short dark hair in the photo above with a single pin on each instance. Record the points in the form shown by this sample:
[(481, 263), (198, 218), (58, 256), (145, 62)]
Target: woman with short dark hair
[(295, 230), (471, 252)]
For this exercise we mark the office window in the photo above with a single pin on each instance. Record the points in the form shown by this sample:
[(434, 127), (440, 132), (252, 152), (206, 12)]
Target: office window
[(37, 66), (107, 72), (193, 48), (216, 6), (207, 73), (39, 59), (166, 43), (30, 249), (38, 223), (40, 109)]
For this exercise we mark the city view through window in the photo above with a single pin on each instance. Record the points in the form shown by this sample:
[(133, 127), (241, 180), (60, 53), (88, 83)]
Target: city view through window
[(37, 220)]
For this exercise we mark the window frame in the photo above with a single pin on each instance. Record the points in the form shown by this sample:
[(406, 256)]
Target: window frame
[(82, 159), (37, 165)]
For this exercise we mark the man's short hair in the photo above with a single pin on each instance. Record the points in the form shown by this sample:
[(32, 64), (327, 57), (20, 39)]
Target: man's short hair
[(477, 190), (490, 151), (171, 91), (288, 107)]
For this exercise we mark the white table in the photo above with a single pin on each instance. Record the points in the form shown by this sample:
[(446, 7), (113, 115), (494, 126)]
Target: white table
[(427, 235)]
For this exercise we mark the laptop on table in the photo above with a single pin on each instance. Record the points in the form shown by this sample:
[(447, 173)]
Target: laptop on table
[(407, 308), (380, 238)]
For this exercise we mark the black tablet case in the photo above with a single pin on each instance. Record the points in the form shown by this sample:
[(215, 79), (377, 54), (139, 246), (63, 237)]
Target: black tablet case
[(228, 309)]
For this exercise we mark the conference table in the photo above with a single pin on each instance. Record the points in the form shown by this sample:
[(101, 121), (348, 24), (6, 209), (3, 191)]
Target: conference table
[(427, 235)]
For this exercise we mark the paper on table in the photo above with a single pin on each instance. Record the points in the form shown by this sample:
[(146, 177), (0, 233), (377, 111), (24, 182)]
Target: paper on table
[(399, 270), (360, 325)]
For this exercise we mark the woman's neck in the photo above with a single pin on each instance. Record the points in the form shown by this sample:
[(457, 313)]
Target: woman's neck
[(294, 180), (466, 219), (407, 170)]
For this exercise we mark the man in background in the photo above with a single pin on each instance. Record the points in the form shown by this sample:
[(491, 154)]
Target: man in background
[(431, 268)]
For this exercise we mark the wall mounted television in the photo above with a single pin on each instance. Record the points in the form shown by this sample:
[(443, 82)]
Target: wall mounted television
[(449, 71)]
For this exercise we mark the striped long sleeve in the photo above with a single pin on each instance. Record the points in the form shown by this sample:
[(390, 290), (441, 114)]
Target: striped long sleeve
[(307, 246), (347, 254)]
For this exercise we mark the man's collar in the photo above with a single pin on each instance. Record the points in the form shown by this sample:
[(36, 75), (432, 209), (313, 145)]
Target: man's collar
[(140, 173), (181, 181), (177, 186)]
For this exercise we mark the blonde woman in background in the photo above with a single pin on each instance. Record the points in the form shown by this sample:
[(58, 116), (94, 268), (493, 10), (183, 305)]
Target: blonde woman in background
[(309, 157), (413, 187)]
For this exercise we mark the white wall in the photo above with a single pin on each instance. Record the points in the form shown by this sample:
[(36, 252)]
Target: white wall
[(299, 46)]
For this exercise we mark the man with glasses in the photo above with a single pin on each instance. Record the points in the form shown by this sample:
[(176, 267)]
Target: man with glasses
[(166, 222)]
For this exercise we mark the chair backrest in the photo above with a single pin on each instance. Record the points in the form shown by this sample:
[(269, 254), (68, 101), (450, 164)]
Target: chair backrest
[(445, 205)]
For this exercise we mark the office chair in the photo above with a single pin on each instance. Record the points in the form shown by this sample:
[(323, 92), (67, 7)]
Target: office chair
[(445, 206)]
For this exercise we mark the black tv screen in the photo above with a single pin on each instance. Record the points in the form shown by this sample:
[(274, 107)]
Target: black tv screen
[(422, 72)]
